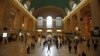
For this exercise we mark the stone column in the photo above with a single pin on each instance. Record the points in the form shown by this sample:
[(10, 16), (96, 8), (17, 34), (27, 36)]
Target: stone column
[(2, 10), (68, 25), (26, 20), (54, 26), (34, 27), (64, 24), (78, 19), (44, 26), (79, 23), (72, 24), (18, 21), (30, 25), (95, 12)]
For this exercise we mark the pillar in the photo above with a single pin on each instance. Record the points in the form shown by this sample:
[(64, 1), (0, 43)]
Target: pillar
[(3, 4), (95, 12), (18, 21)]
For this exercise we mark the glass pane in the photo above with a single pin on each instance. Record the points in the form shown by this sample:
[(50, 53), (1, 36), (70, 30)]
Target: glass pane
[(49, 22), (58, 22), (40, 22)]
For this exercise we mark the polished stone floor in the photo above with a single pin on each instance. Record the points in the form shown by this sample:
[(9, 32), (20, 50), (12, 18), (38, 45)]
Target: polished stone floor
[(18, 48)]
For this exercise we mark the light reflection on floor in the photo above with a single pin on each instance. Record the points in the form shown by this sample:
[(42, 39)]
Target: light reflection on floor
[(19, 49), (52, 52)]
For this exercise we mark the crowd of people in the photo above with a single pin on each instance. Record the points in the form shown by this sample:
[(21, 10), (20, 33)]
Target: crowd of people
[(58, 41)]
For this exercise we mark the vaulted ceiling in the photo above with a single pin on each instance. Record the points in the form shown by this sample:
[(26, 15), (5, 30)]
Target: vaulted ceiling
[(41, 3), (54, 7), (49, 11), (57, 3)]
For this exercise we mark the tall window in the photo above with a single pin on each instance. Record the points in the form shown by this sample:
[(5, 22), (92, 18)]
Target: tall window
[(40, 22), (49, 21), (58, 22)]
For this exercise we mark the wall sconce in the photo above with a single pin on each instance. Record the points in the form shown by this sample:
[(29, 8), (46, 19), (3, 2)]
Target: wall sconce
[(23, 25), (76, 28), (20, 34), (5, 34)]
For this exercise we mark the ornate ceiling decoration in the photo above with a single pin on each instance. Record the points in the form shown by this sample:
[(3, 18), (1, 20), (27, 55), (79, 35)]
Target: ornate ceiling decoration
[(50, 7)]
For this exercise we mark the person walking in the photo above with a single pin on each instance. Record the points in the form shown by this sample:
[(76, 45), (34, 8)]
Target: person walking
[(75, 48), (83, 54), (49, 45), (32, 45), (56, 42), (95, 46), (28, 49), (70, 48), (88, 44)]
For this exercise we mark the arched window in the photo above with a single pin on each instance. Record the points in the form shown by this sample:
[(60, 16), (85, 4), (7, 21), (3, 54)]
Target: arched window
[(40, 22), (49, 21), (58, 22)]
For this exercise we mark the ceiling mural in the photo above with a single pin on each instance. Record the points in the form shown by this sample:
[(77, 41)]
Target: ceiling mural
[(42, 3), (62, 4)]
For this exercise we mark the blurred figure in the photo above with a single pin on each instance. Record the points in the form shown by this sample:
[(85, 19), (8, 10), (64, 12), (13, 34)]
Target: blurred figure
[(44, 43), (28, 49), (93, 41), (1, 38), (21, 37), (75, 48), (79, 55), (88, 44), (49, 45), (6, 41), (32, 45), (95, 46), (83, 54), (56, 42), (69, 48)]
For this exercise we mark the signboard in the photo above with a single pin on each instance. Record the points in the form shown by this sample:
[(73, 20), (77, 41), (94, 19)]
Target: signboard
[(4, 34)]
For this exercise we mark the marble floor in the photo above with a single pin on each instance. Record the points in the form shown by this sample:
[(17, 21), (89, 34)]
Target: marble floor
[(18, 48)]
